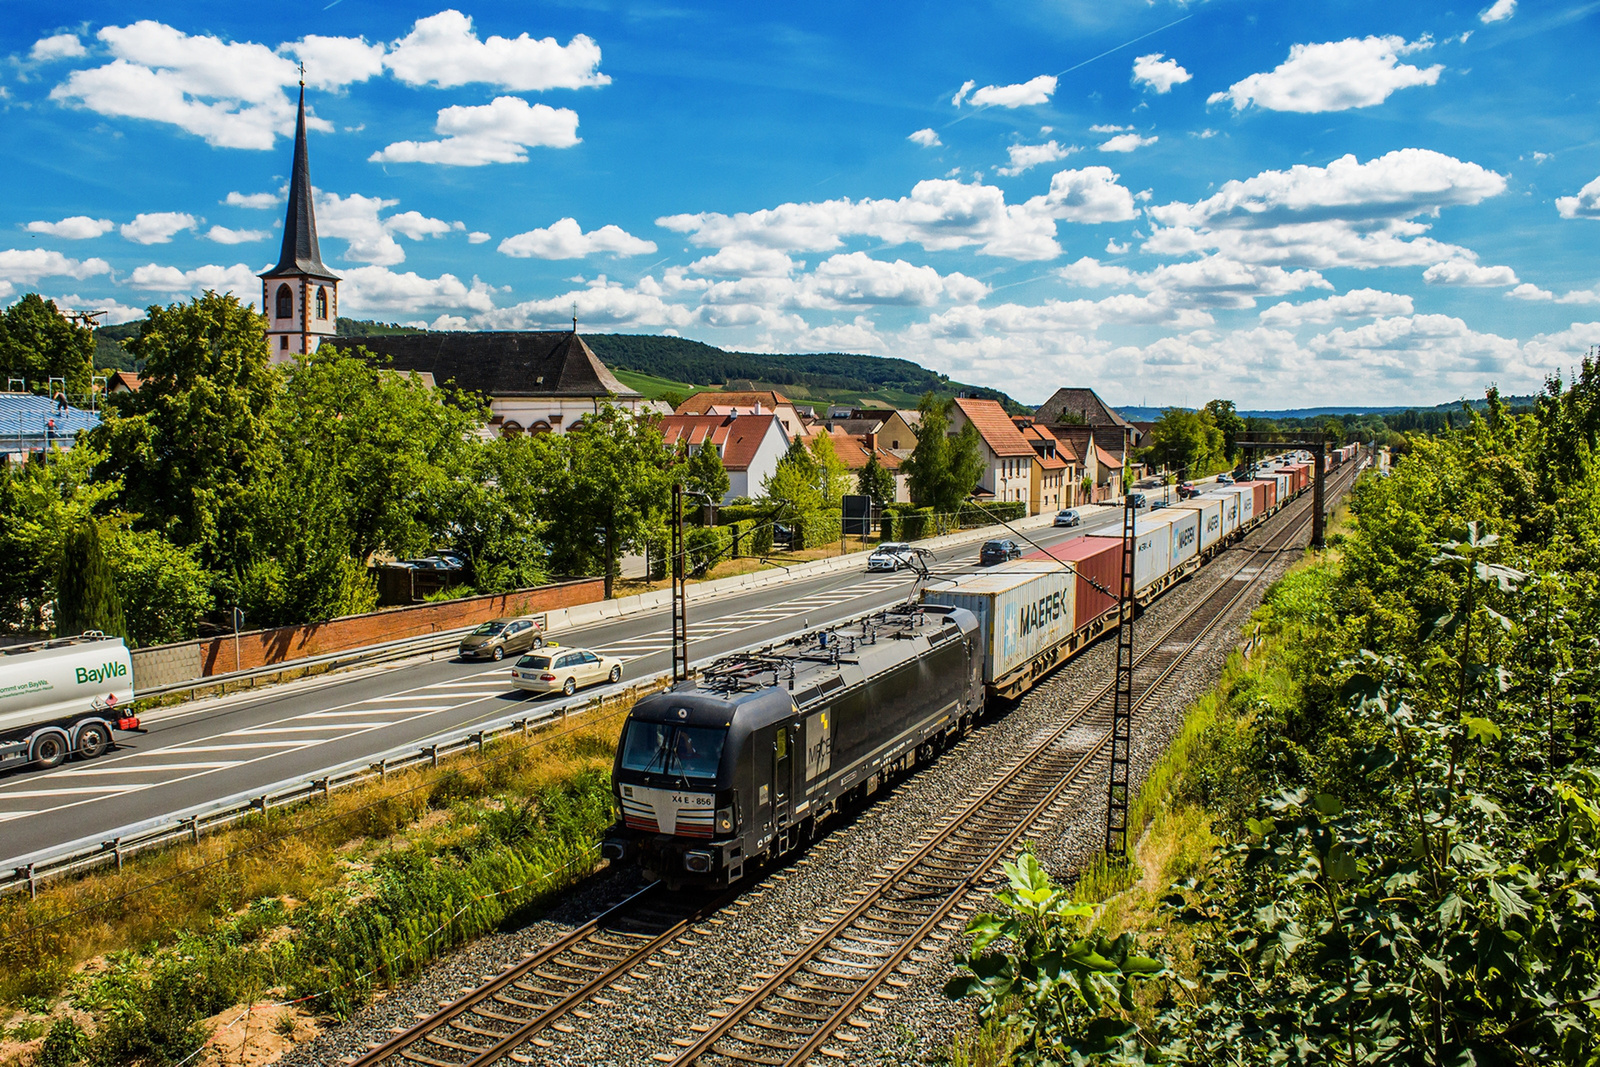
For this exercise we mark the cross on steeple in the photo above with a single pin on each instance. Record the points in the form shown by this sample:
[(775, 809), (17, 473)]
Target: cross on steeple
[(302, 74)]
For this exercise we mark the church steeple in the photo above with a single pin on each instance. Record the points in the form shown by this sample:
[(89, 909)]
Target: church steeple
[(299, 296)]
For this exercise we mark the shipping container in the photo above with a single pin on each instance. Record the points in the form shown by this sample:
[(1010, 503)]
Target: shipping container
[(1024, 608), (1264, 497), (1209, 509), (1181, 528), (1098, 561), (1227, 498)]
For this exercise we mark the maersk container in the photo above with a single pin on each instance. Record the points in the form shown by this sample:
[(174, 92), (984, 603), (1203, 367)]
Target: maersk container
[(1181, 527), (1262, 497), (1235, 503), (1210, 512), (1023, 608), (1098, 561)]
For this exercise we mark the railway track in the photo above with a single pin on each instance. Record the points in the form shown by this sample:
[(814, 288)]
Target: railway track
[(795, 1011)]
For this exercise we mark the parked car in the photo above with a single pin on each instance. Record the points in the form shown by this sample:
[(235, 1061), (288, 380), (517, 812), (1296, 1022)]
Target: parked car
[(1067, 517), (1186, 490), (891, 556), (499, 638), (994, 552), (558, 669)]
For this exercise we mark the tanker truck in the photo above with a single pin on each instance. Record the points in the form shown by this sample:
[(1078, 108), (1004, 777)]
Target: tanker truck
[(63, 698)]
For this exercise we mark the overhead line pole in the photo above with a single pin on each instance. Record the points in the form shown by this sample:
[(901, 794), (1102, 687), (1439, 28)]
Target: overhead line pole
[(1122, 700)]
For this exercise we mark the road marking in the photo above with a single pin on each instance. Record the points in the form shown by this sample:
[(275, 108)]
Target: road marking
[(251, 746), (97, 771), (338, 712), (64, 790), (431, 695), (5, 815), (323, 728)]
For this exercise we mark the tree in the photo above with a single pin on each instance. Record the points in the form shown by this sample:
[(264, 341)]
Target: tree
[(498, 519), (876, 483), (193, 443), (943, 468), (1226, 419), (1187, 442), (39, 343), (616, 475), (1333, 431), (86, 591), (833, 477), (704, 473), (792, 485), (164, 589), (40, 503)]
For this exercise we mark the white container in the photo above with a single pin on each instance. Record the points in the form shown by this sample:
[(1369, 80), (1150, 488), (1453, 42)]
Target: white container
[(1152, 553), (1210, 511), (1183, 531), (56, 684), (1023, 608), (1228, 501)]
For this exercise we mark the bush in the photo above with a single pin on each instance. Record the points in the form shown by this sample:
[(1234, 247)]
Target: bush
[(743, 512), (988, 514), (760, 538), (739, 535), (817, 529), (658, 559), (889, 527), (706, 546)]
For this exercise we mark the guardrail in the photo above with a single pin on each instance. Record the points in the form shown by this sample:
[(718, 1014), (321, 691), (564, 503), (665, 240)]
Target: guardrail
[(85, 854)]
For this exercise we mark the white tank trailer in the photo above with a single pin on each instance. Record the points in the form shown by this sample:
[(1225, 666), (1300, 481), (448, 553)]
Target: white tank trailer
[(63, 698)]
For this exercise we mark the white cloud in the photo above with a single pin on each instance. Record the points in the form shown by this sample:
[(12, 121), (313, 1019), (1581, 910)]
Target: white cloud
[(354, 218), (498, 132), (334, 62), (1090, 273), (1529, 291), (1345, 214), (1218, 282), (565, 239), (416, 225), (239, 279), (966, 87), (1586, 205), (1105, 128), (366, 290), (1158, 73), (1499, 11), (1127, 142), (444, 50), (225, 236), (745, 261), (1115, 249), (1088, 194), (73, 228), (1034, 91), (1335, 76), (926, 137), (1526, 291), (113, 313), (601, 303), (255, 201), (477, 237), (57, 46), (157, 227), (1024, 156), (857, 278), (1356, 304), (27, 266), (1466, 272)]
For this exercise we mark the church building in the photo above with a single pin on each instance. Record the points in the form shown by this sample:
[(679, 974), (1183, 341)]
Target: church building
[(534, 381)]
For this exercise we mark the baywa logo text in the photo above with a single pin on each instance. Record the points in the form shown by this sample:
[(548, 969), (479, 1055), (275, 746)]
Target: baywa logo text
[(1042, 612), (103, 673)]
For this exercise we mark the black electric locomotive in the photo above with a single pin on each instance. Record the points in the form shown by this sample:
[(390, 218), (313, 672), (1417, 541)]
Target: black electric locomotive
[(745, 762)]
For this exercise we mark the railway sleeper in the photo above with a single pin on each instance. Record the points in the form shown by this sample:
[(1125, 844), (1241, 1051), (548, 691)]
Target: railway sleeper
[(436, 1038), (460, 1024), (744, 1057), (779, 1009), (413, 1056)]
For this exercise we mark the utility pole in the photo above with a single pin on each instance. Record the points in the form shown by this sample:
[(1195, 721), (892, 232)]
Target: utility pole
[(1122, 699), (680, 605)]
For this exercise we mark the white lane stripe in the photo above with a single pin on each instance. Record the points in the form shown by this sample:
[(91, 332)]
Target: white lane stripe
[(469, 684), (247, 747), (5, 815), (111, 790), (95, 772), (323, 728), (417, 697), (343, 712)]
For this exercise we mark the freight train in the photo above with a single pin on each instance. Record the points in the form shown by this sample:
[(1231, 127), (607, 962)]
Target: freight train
[(748, 761)]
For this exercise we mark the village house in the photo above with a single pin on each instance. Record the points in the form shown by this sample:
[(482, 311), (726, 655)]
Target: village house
[(1053, 479), (746, 402), (1008, 458), (750, 446), (855, 449)]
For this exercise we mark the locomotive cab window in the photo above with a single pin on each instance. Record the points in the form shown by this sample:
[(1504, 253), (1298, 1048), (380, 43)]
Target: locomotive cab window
[(677, 751)]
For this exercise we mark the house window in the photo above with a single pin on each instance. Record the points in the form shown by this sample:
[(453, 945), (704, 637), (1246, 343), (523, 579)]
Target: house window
[(285, 302), (322, 302), (283, 342)]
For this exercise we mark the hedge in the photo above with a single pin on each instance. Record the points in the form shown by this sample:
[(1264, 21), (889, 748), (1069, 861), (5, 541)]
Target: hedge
[(760, 539), (988, 514), (816, 529), (739, 534), (705, 547), (745, 513)]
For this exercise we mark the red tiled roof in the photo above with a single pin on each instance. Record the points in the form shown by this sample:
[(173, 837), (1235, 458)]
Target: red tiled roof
[(851, 448), (738, 436), (700, 402), (995, 427)]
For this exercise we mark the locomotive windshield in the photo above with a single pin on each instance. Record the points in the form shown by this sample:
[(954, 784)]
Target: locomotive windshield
[(677, 751)]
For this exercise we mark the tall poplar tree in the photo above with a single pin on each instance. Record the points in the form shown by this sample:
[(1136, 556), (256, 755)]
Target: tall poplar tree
[(86, 592)]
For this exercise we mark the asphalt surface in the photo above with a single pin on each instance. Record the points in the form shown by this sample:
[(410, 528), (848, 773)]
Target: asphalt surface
[(216, 749)]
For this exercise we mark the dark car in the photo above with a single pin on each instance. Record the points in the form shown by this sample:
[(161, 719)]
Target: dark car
[(1158, 505), (994, 552), (1138, 500)]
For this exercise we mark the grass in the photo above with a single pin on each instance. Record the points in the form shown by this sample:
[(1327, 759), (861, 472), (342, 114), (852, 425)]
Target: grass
[(655, 388), (323, 904)]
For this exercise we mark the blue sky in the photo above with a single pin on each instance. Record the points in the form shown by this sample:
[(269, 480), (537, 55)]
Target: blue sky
[(1364, 203)]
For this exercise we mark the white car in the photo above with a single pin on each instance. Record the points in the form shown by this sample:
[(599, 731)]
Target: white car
[(556, 669), (891, 556)]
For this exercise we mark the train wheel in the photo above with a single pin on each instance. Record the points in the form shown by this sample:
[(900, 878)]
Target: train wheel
[(50, 750), (93, 740)]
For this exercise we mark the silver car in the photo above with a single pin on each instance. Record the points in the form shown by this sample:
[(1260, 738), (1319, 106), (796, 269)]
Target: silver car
[(557, 669), (890, 556), (1067, 517)]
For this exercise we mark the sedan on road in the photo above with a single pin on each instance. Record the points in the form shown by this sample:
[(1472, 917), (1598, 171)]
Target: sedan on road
[(499, 638), (563, 670), (890, 556), (994, 552), (1067, 517)]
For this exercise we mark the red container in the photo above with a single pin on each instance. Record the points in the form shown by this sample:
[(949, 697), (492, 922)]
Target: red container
[(1099, 558), (1266, 496)]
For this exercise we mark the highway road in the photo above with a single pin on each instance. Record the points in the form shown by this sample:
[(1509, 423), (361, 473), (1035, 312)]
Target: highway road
[(245, 742)]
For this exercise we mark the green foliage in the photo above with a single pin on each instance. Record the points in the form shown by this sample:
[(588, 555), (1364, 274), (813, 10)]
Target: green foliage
[(791, 489), (833, 477), (876, 482), (1227, 420), (943, 469), (86, 589), (38, 343), (988, 513), (40, 504), (761, 539), (704, 473), (1187, 442), (706, 546), (817, 529), (1033, 971)]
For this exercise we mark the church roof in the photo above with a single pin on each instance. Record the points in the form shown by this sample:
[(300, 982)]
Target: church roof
[(300, 253), (497, 363), (1083, 403)]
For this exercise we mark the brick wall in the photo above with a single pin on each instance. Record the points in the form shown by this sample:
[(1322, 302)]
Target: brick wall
[(260, 648)]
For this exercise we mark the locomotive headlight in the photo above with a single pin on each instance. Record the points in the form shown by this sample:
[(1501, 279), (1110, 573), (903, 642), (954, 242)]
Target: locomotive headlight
[(725, 820)]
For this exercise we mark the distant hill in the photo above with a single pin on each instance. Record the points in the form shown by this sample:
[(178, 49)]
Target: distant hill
[(1139, 413)]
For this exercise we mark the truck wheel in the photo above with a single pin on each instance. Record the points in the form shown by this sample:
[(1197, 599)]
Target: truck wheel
[(49, 750), (93, 740)]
